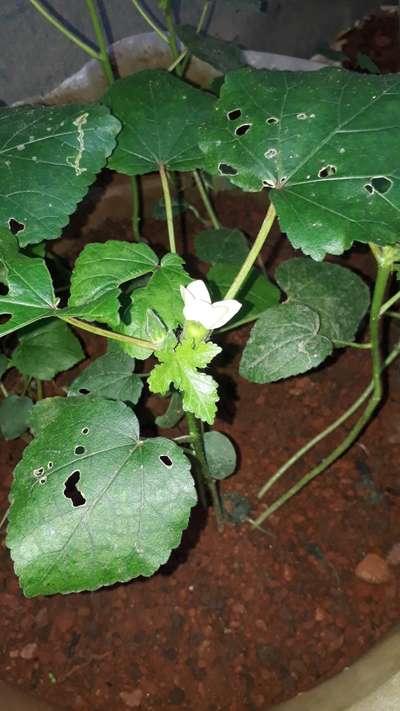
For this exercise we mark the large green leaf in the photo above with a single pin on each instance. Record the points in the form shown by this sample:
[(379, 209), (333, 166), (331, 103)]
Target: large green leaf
[(110, 376), (45, 411), (222, 245), (180, 367), (99, 271), (256, 294), (161, 116), (338, 295), (285, 341), (223, 55), (325, 141), (46, 350), (93, 504), (30, 290), (173, 413), (49, 156), (220, 453), (14, 414)]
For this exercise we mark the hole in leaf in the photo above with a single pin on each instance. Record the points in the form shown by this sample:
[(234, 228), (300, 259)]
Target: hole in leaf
[(327, 171), (85, 430), (225, 169), (381, 184), (43, 480), (50, 465), (301, 116), (271, 120), (84, 391), (164, 459), (368, 187), (271, 153), (38, 472), (15, 226), (79, 449), (72, 492), (241, 130), (234, 114), (268, 183)]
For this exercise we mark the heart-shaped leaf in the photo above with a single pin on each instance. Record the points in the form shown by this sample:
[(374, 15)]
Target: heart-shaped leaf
[(285, 341), (14, 415), (49, 156), (110, 376), (46, 350), (93, 504), (222, 245), (325, 141), (161, 116)]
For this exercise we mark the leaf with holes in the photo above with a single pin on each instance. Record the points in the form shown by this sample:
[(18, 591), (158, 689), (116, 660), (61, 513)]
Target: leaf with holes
[(30, 290), (222, 55), (162, 296), (99, 272), (179, 367), (161, 116), (221, 455), (339, 296), (256, 294), (111, 376), (14, 414), (47, 349), (285, 341), (92, 504), (49, 156), (325, 141), (222, 245), (173, 413)]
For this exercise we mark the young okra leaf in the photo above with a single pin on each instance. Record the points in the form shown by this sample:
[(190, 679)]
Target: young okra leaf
[(338, 295), (30, 294), (256, 294), (99, 272), (14, 414), (47, 349), (92, 504), (111, 376), (222, 55), (325, 141), (222, 245), (220, 453), (49, 156), (161, 116), (179, 367), (173, 413), (285, 341)]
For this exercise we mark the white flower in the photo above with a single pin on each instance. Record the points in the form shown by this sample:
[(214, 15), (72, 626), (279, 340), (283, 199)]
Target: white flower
[(198, 306)]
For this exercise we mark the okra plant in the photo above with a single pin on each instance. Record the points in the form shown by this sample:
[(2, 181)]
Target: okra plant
[(94, 502)]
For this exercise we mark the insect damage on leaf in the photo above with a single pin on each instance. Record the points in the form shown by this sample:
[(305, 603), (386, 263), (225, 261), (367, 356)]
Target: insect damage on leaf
[(75, 161)]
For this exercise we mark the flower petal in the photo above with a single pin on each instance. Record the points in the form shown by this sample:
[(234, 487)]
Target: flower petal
[(223, 311), (198, 290)]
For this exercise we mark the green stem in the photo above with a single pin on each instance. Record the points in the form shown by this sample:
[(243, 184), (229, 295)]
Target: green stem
[(168, 207), (4, 518), (169, 21), (195, 432), (351, 344), (177, 61), (392, 314), (60, 27), (253, 254), (183, 439), (149, 21), (206, 200), (389, 303), (135, 209), (3, 390), (199, 28), (104, 59), (383, 274), (39, 389), (108, 334)]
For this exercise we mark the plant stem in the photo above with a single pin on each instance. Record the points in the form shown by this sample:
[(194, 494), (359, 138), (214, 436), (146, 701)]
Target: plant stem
[(149, 21), (387, 305), (383, 274), (3, 390), (59, 26), (4, 518), (177, 61), (349, 344), (39, 389), (108, 334), (183, 439), (103, 57), (200, 454), (135, 209), (206, 200), (169, 20), (168, 207), (392, 314), (199, 28), (253, 254)]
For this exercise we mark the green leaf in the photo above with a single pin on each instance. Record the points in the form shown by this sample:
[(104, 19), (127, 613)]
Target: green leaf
[(161, 116), (14, 412), (4, 365), (179, 367), (325, 141), (99, 271), (30, 290), (92, 504), (365, 62), (44, 412), (338, 295), (256, 294), (222, 55), (111, 376), (220, 453), (173, 413), (162, 295), (223, 245), (178, 208), (285, 341), (49, 156), (46, 350)]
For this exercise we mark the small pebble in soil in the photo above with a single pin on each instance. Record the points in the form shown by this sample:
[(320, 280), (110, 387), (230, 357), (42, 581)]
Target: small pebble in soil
[(373, 569), (393, 557), (132, 699)]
